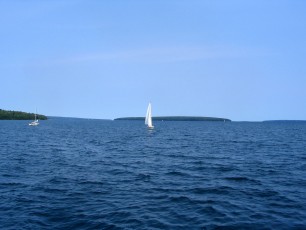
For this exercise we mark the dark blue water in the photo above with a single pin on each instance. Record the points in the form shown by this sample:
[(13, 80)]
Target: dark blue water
[(93, 174)]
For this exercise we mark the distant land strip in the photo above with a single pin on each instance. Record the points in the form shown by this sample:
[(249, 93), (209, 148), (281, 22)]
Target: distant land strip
[(17, 115), (285, 121), (175, 118)]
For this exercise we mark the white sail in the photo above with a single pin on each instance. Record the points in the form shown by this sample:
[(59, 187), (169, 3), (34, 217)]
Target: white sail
[(148, 120)]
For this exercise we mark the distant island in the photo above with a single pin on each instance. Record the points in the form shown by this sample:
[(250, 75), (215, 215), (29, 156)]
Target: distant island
[(284, 121), (176, 118), (17, 115)]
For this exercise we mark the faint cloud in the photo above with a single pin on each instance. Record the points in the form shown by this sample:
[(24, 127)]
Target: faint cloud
[(165, 54)]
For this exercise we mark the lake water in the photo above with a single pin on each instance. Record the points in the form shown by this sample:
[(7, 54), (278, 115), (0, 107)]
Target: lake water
[(95, 174)]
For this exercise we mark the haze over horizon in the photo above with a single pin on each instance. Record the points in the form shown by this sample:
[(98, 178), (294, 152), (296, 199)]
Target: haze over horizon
[(241, 60)]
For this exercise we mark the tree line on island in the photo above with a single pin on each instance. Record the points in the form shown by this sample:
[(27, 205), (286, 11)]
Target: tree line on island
[(17, 115), (176, 118)]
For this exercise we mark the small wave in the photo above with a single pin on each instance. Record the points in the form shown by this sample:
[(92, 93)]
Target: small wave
[(117, 171), (143, 177), (285, 205), (11, 184), (181, 199), (262, 193), (95, 142), (90, 183), (176, 173), (239, 225), (54, 190), (226, 168), (237, 178), (222, 190), (303, 166), (57, 180), (242, 179)]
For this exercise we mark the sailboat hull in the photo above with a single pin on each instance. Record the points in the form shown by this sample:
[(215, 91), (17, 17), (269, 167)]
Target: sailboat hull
[(34, 123)]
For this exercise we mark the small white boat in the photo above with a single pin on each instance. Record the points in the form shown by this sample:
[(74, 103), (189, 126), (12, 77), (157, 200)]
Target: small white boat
[(35, 122), (148, 120)]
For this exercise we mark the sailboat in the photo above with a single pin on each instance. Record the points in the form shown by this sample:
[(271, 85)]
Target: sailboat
[(148, 120), (35, 122)]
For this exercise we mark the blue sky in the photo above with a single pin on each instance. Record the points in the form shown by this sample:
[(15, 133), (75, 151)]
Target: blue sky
[(242, 60)]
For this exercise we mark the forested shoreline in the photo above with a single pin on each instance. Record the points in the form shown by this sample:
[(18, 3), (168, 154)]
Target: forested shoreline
[(18, 115), (177, 118)]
